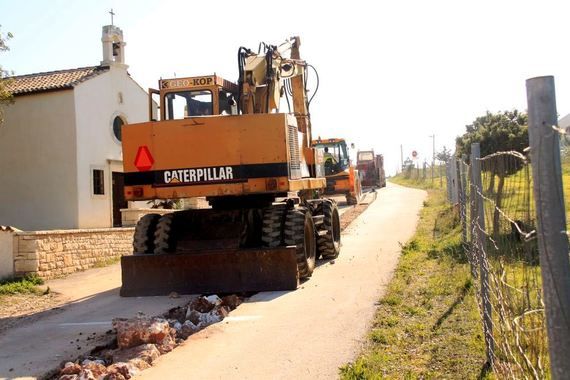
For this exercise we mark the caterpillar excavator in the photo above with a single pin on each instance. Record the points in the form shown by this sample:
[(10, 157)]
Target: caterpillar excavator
[(267, 222)]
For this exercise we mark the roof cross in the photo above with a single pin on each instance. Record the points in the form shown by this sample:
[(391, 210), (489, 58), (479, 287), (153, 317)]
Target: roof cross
[(112, 14)]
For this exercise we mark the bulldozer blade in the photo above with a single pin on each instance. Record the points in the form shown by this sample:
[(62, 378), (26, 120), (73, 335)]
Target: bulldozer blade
[(209, 271)]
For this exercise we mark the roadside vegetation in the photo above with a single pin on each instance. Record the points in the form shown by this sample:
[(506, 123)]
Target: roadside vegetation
[(25, 285), (427, 325)]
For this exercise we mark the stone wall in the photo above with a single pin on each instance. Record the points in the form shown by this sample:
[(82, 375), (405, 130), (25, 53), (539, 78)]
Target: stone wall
[(52, 254)]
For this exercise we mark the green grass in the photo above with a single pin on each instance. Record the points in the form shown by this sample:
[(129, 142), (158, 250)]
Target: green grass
[(28, 284), (427, 325)]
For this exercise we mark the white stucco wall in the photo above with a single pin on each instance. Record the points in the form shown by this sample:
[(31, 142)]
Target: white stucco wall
[(98, 101), (6, 253), (37, 162)]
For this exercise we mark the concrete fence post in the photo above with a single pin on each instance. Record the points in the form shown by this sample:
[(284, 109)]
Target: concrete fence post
[(551, 220), (479, 236)]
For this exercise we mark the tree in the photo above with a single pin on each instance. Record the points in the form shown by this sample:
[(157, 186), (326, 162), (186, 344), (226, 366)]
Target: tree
[(502, 131), (5, 95), (497, 132), (444, 155)]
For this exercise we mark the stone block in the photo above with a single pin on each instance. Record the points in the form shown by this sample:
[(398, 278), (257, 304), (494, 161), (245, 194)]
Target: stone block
[(28, 245), (26, 266)]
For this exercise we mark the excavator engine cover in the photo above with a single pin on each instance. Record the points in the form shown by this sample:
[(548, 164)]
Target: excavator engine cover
[(209, 271)]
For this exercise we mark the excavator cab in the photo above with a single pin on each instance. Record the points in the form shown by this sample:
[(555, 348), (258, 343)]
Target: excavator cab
[(335, 154), (183, 98)]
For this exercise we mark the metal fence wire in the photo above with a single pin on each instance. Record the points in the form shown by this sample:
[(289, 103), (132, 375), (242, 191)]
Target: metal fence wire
[(496, 207)]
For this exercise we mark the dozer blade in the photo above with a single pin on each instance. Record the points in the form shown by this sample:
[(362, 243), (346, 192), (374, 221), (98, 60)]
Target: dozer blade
[(209, 271)]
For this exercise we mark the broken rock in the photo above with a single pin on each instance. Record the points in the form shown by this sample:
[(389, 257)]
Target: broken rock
[(136, 331), (214, 300), (232, 301), (70, 369), (69, 377), (201, 305), (188, 328), (126, 370), (139, 364), (114, 376), (146, 352), (86, 374), (97, 369)]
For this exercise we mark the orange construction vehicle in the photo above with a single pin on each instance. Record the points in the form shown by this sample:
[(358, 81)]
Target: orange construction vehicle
[(254, 164), (371, 168), (342, 177)]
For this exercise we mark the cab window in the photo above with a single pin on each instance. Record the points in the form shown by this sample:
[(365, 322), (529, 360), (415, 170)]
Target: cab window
[(180, 105)]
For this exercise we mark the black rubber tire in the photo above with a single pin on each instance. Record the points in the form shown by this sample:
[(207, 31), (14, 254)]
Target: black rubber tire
[(300, 231), (328, 246), (143, 239), (351, 200), (272, 226), (164, 237)]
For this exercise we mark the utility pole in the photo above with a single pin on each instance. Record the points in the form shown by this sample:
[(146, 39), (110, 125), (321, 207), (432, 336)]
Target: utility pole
[(432, 156)]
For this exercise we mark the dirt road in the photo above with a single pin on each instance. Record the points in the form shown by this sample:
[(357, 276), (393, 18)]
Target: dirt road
[(308, 333)]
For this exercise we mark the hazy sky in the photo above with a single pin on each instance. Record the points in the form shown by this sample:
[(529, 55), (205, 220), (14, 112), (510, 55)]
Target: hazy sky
[(391, 72)]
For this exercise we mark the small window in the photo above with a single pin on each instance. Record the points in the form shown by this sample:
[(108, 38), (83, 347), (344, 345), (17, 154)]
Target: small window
[(118, 122), (98, 182), (180, 105)]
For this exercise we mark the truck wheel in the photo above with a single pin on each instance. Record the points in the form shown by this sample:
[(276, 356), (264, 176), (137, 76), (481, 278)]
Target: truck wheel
[(164, 239), (143, 240), (328, 246), (272, 226), (300, 231)]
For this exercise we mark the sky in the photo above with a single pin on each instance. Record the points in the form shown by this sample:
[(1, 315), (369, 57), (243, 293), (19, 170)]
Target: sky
[(392, 73)]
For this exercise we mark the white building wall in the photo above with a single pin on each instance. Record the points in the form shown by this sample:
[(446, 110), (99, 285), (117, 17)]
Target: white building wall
[(37, 162), (98, 101)]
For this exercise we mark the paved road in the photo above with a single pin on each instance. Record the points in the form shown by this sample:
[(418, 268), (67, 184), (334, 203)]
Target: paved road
[(308, 333), (305, 334), (28, 351)]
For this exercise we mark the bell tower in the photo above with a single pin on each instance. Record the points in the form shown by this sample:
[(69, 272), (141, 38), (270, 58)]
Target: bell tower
[(113, 46)]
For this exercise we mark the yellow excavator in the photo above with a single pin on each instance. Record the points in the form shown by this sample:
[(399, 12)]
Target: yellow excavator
[(341, 174), (267, 222)]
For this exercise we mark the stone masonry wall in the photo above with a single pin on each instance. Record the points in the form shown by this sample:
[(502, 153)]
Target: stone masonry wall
[(52, 254)]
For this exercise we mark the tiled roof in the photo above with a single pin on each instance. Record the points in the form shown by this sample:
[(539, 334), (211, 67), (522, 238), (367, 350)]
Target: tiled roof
[(52, 80)]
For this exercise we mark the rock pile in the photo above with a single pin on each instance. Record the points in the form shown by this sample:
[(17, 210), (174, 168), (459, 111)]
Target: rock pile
[(141, 340)]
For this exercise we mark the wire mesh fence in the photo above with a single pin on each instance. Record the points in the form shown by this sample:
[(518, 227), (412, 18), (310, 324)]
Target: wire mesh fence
[(424, 173), (498, 217)]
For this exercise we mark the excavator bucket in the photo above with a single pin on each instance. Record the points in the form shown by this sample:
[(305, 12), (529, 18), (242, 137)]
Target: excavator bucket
[(209, 271)]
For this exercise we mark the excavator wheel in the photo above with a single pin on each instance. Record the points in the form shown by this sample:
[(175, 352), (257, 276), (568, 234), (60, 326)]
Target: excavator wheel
[(143, 240), (328, 246), (272, 226), (164, 239), (300, 231), (353, 198)]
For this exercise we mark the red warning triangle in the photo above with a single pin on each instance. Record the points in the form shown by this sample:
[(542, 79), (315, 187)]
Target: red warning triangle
[(144, 160)]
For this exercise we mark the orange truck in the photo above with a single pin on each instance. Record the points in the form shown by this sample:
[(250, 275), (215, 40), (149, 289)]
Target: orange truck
[(229, 142)]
